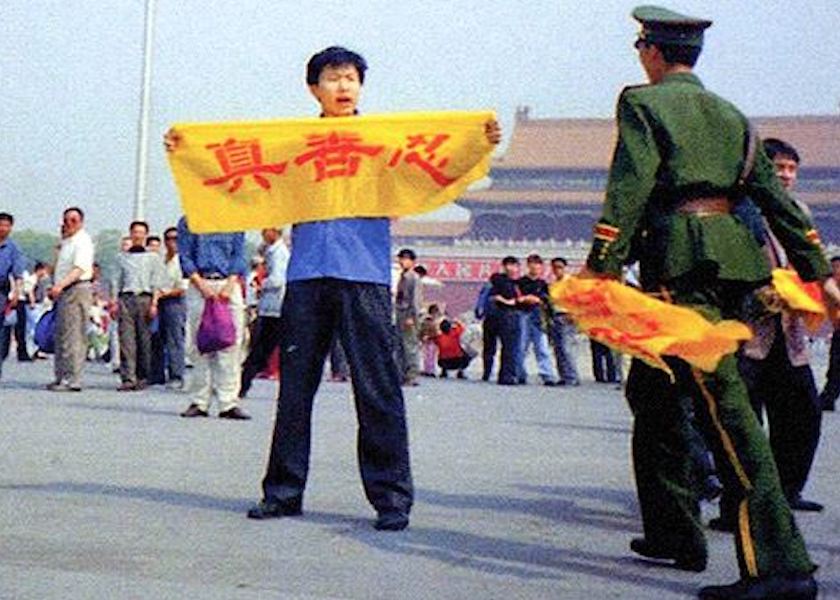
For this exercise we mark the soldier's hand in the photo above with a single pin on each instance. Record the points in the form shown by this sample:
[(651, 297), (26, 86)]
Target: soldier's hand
[(493, 131), (171, 140)]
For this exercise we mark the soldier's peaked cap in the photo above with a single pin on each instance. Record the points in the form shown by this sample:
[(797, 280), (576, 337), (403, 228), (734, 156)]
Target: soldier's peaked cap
[(664, 26)]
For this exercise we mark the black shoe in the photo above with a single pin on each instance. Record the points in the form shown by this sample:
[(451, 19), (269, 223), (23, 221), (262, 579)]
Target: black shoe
[(687, 562), (777, 587), (485, 377), (799, 503), (549, 383), (269, 509), (721, 524), (461, 375), (391, 521), (194, 411), (235, 413)]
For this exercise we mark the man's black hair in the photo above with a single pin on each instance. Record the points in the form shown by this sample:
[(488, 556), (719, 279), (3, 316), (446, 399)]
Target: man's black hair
[(40, 265), (835, 258), (334, 56), (421, 270), (4, 216), (142, 224), (510, 260), (445, 326), (152, 238), (169, 230), (561, 260), (407, 253), (534, 258), (774, 147), (679, 55), (74, 209)]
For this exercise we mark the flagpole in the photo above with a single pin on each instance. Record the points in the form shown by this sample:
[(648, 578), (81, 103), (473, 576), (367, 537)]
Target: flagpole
[(143, 125)]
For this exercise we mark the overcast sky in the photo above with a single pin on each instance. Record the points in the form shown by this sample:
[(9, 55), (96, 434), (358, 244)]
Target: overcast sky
[(71, 74)]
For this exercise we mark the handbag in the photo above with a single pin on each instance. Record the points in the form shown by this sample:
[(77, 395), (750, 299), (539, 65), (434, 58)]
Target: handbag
[(217, 330), (45, 331), (10, 316)]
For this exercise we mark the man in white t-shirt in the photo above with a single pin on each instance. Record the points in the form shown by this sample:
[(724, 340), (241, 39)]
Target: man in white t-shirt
[(73, 297)]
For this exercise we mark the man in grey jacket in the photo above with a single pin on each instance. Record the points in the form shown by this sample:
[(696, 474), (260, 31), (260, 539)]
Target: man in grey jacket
[(140, 277), (407, 306)]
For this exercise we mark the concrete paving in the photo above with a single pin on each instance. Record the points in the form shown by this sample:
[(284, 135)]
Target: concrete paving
[(521, 493)]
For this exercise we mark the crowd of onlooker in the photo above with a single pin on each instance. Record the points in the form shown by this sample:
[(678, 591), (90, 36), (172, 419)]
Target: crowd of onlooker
[(142, 319), (513, 312)]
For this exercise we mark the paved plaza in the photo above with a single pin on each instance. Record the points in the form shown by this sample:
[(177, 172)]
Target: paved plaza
[(522, 492)]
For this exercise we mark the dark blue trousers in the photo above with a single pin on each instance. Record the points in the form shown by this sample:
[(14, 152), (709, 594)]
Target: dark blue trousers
[(360, 314), (173, 315), (509, 332)]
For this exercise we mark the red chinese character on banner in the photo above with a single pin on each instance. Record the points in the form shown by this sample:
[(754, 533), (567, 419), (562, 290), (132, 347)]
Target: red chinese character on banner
[(336, 154), (420, 152), (240, 158)]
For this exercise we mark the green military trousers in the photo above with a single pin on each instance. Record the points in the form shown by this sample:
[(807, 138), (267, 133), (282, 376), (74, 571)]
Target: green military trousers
[(767, 540), (662, 462)]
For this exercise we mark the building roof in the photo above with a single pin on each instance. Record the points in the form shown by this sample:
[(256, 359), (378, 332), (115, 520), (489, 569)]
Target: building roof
[(537, 197), (588, 143), (429, 229), (491, 196)]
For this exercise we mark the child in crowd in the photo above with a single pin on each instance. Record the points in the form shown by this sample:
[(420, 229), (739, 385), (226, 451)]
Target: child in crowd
[(429, 328)]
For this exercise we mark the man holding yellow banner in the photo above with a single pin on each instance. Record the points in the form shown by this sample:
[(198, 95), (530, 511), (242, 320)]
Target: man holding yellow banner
[(338, 179)]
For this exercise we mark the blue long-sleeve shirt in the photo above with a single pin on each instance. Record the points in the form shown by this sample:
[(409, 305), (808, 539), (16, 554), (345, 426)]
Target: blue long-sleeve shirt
[(353, 249), (211, 253), (11, 263)]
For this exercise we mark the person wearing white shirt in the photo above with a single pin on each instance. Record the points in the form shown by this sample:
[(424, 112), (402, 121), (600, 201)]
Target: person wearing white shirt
[(173, 311), (269, 307), (73, 297)]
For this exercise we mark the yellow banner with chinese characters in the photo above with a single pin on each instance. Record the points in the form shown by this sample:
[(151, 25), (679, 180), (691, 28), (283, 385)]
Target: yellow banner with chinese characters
[(634, 323), (250, 175)]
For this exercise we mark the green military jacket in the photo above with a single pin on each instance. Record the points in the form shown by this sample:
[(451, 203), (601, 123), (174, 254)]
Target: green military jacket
[(678, 141)]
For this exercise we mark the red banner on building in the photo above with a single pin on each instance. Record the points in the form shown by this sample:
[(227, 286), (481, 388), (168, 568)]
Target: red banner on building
[(460, 269), (469, 270)]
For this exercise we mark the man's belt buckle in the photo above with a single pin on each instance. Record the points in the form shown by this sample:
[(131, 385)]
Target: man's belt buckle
[(705, 207)]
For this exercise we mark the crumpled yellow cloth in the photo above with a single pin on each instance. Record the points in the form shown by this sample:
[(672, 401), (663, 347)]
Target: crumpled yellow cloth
[(634, 323), (800, 296)]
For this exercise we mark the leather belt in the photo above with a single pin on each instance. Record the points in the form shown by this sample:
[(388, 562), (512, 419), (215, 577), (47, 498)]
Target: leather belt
[(705, 207)]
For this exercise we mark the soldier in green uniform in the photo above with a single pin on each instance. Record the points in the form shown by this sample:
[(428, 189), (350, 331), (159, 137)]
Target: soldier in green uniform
[(683, 158)]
